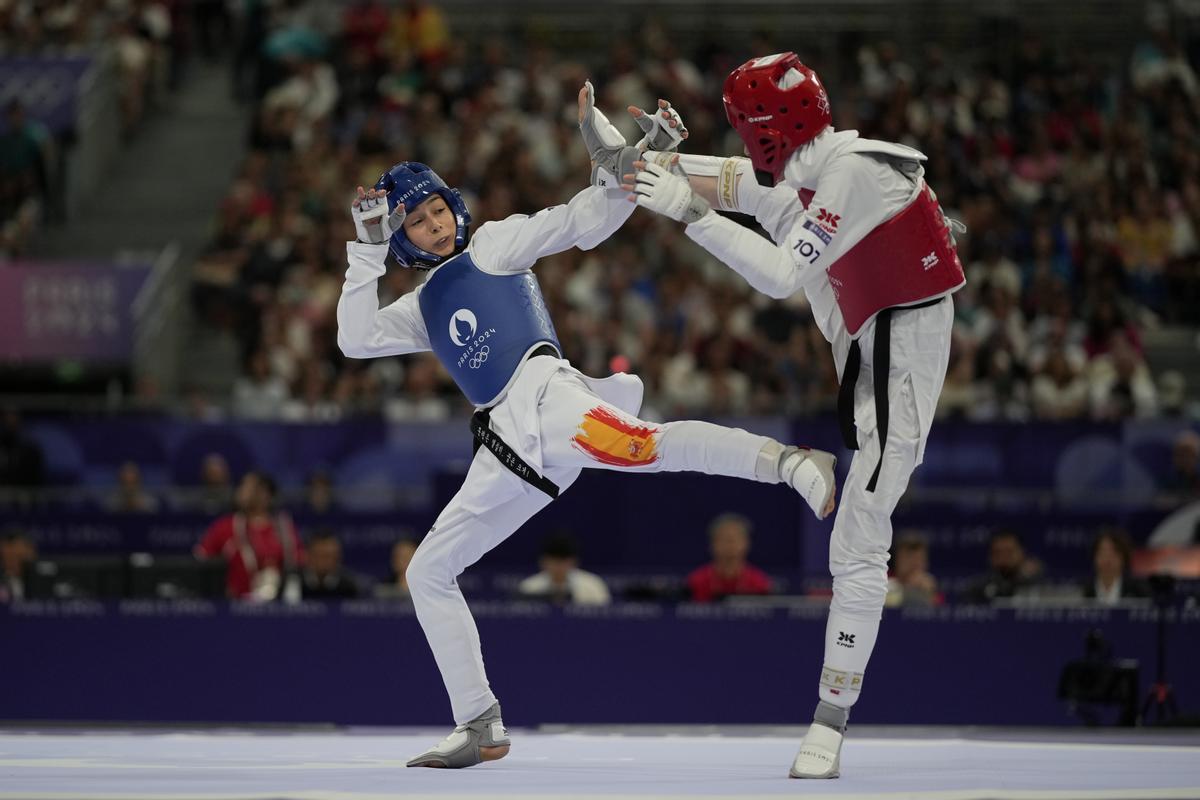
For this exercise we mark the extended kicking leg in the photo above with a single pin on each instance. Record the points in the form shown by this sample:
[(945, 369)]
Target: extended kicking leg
[(581, 430)]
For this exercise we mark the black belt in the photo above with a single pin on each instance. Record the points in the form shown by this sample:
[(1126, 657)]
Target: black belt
[(484, 436), (881, 365)]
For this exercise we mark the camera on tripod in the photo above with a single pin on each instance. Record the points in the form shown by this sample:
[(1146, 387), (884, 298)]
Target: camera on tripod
[(1098, 680)]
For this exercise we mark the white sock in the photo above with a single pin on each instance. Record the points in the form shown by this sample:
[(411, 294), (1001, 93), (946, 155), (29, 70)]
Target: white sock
[(848, 646)]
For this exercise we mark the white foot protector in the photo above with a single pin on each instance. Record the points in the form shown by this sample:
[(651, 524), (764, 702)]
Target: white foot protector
[(820, 754), (810, 473)]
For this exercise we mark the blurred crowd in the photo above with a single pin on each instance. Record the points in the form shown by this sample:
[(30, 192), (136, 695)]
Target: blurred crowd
[(265, 558), (268, 556), (1079, 184), (140, 41)]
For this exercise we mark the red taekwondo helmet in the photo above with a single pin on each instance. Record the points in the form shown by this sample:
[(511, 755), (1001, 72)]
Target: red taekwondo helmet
[(776, 104)]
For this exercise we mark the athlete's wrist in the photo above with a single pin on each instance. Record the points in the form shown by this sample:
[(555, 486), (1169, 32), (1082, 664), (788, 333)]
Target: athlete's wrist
[(696, 209)]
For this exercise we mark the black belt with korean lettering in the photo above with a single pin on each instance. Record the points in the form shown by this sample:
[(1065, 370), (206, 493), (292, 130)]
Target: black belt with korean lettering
[(485, 437), (881, 365)]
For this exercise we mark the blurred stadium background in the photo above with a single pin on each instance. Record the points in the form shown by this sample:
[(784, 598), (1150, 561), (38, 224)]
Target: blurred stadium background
[(175, 183)]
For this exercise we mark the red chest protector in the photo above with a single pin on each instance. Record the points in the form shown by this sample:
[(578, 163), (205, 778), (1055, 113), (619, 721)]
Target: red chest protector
[(906, 260)]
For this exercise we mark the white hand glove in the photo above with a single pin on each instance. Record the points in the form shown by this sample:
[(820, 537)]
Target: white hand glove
[(664, 128), (372, 222), (668, 192)]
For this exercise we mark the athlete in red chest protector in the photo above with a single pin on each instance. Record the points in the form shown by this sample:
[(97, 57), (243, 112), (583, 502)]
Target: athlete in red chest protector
[(855, 227)]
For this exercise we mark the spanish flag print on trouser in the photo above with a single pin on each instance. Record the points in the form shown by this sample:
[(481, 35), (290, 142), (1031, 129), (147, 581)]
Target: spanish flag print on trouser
[(611, 440), (592, 423)]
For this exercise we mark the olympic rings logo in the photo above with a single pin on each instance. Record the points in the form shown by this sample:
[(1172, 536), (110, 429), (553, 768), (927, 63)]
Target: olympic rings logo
[(479, 358)]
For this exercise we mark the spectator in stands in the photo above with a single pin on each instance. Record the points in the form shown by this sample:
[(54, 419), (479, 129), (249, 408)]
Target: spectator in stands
[(260, 395), (1173, 396), (418, 401), (1003, 394), (1068, 178), (131, 37), (131, 497), (420, 27), (396, 586), (25, 160), (958, 393), (560, 580), (292, 110), (318, 493), (135, 63), (312, 402), (910, 583), (16, 551), (1121, 384), (260, 544), (1010, 572), (324, 577), (23, 152), (1059, 391), (728, 573), (215, 493), (1184, 480), (21, 460), (1110, 583)]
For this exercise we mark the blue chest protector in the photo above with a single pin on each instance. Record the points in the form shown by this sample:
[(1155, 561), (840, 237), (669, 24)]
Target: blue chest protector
[(482, 326)]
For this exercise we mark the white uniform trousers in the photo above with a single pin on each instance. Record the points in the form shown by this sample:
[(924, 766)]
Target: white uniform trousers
[(575, 426)]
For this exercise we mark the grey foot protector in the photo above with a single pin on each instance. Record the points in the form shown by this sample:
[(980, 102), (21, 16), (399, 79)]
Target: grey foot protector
[(831, 716), (486, 730)]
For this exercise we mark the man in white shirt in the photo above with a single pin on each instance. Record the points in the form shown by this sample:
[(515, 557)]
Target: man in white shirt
[(561, 580)]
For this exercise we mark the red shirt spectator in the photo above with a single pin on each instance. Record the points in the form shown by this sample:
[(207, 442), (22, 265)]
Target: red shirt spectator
[(729, 573), (706, 584), (252, 540), (363, 24)]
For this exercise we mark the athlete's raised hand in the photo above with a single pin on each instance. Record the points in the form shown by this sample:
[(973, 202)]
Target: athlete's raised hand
[(372, 222)]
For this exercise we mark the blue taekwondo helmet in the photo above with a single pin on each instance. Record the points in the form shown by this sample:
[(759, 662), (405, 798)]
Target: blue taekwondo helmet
[(412, 183)]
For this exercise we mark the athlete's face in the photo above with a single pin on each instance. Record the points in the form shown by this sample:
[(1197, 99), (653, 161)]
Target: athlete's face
[(431, 227)]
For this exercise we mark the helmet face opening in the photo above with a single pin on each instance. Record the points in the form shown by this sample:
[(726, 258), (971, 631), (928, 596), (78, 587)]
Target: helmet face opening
[(411, 183), (777, 105)]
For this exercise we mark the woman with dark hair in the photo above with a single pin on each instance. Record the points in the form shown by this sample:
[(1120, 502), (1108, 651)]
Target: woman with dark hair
[(1110, 583)]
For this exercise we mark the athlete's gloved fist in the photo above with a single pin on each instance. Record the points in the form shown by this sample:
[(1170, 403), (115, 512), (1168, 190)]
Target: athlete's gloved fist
[(664, 128), (372, 222), (666, 190), (611, 156)]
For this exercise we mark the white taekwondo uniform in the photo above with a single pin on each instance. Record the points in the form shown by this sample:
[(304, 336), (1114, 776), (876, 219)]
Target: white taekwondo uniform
[(854, 185), (555, 418)]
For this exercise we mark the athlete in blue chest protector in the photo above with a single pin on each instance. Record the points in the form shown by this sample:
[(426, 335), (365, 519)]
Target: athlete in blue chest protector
[(539, 420)]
